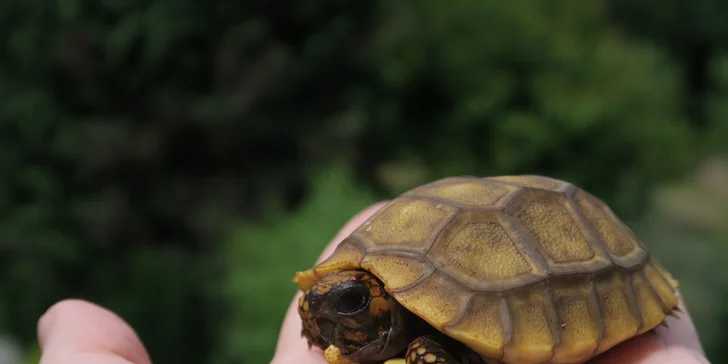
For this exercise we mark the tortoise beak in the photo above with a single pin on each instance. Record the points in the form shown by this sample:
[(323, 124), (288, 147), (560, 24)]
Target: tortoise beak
[(335, 333), (327, 329)]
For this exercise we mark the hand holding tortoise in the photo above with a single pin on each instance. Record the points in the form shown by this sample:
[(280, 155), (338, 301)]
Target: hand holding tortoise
[(604, 289)]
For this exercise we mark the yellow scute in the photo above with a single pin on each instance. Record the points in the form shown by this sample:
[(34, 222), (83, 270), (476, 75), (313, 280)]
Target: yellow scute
[(396, 272), (473, 192), (405, 223), (437, 300), (466, 250), (482, 327)]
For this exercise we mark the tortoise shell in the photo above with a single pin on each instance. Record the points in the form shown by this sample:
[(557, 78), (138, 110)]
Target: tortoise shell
[(518, 268)]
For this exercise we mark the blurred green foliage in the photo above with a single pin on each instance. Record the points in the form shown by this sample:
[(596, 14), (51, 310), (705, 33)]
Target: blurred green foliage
[(177, 162), (716, 103), (486, 88)]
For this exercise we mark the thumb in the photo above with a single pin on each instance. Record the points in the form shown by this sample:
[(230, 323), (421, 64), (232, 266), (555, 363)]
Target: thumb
[(79, 332)]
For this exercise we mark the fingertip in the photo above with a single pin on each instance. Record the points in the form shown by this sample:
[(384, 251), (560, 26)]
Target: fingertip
[(73, 328), (674, 355), (47, 322), (649, 349), (680, 330), (678, 342)]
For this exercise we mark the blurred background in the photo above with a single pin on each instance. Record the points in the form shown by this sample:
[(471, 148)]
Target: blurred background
[(178, 161)]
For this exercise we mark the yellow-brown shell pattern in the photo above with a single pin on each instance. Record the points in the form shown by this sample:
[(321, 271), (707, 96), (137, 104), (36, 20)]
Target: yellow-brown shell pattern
[(522, 269)]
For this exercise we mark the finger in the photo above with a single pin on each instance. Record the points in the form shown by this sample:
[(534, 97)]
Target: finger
[(680, 331), (676, 344), (79, 332), (291, 346)]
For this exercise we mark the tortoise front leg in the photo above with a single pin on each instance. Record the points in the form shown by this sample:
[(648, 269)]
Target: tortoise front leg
[(425, 350)]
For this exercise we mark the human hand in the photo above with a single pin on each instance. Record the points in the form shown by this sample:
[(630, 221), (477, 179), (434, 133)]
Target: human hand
[(678, 344)]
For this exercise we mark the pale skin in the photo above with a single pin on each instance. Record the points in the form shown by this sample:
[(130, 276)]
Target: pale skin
[(79, 332)]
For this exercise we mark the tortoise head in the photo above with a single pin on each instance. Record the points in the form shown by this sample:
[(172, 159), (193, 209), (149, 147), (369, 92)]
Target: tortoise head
[(351, 310)]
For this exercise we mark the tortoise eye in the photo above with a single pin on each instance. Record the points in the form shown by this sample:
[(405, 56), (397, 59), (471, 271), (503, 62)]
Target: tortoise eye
[(352, 300)]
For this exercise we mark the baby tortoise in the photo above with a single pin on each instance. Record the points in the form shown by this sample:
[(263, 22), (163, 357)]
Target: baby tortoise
[(465, 270)]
